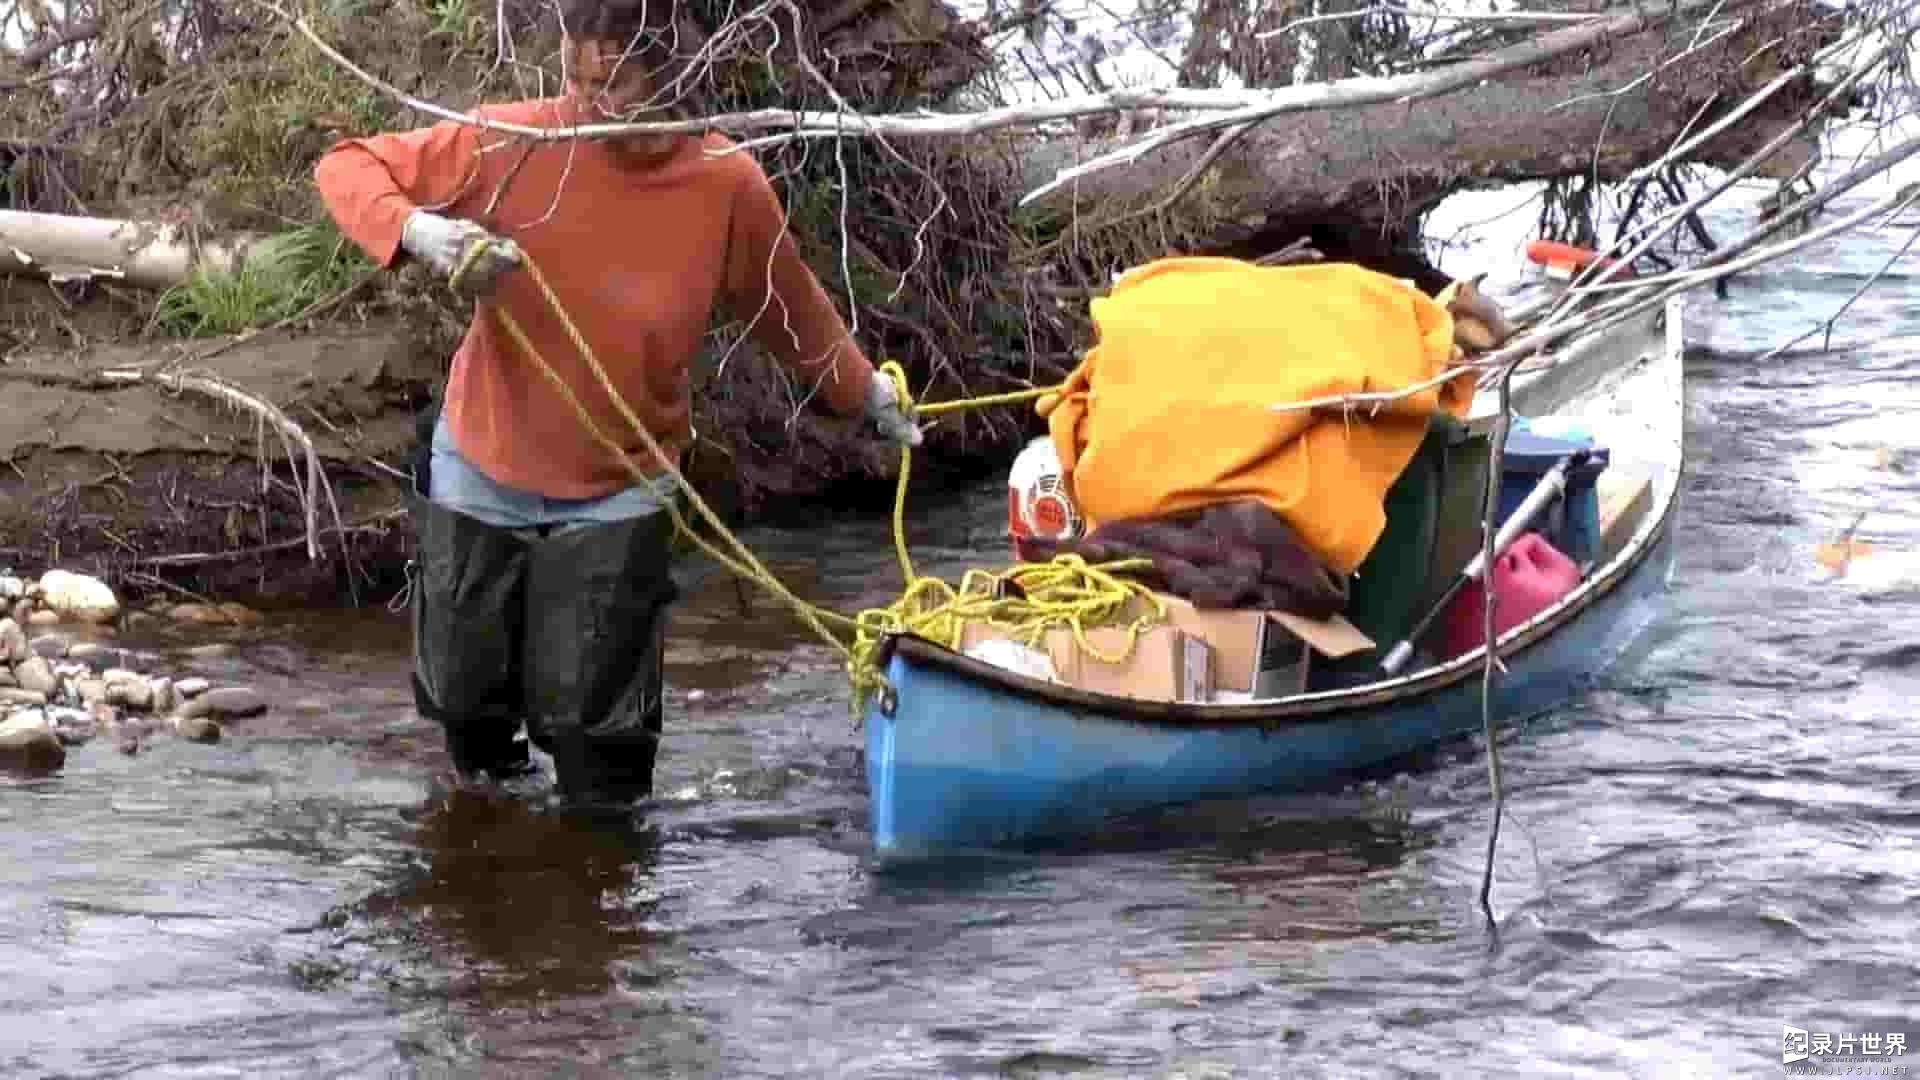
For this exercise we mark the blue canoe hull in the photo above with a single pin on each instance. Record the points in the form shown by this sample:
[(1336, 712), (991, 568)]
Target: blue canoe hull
[(970, 761)]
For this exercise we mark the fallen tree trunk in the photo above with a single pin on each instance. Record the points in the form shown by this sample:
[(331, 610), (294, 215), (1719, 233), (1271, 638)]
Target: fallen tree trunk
[(1601, 113), (149, 254)]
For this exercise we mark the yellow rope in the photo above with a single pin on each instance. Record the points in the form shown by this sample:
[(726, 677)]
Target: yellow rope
[(1023, 602), (1011, 397)]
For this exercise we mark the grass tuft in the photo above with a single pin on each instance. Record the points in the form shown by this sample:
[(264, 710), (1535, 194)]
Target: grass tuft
[(281, 276)]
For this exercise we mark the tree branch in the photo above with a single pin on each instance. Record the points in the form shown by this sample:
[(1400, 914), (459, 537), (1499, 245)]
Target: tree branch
[(36, 54)]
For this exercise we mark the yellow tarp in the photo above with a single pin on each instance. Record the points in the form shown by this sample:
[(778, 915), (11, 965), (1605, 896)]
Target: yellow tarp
[(1169, 411)]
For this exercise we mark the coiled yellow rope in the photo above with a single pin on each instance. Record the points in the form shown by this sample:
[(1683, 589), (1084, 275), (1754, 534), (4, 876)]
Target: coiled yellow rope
[(1024, 601)]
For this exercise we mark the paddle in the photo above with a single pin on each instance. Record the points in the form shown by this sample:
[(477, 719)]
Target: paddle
[(1543, 493)]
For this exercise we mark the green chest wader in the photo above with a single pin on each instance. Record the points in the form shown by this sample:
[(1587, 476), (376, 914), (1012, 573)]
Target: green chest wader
[(465, 611), (595, 607), (563, 628)]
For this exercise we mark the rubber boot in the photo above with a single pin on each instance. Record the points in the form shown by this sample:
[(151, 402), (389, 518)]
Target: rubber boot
[(466, 632), (596, 607)]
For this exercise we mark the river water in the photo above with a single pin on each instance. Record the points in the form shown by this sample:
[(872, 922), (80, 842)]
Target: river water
[(1716, 843)]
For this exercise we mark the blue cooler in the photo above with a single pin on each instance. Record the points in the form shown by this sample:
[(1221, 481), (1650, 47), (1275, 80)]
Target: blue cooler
[(1570, 523)]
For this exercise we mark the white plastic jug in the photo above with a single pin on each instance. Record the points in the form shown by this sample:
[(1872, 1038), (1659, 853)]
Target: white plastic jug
[(1038, 506)]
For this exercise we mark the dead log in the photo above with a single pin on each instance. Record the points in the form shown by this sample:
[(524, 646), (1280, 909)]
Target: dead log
[(1601, 113), (37, 53), (149, 254)]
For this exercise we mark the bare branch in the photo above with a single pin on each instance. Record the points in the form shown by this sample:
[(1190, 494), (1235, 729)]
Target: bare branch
[(1831, 322), (36, 54), (1509, 17), (1813, 115)]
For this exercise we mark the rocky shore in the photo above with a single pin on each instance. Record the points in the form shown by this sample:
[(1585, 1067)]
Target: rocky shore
[(62, 686)]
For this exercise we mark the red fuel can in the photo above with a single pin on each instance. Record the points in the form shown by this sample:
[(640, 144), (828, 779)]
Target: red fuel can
[(1529, 577)]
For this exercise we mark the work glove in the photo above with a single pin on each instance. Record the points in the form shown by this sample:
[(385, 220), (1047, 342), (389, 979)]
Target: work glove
[(444, 244), (888, 414)]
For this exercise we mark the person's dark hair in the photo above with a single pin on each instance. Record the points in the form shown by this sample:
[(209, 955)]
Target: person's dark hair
[(616, 20), (647, 32)]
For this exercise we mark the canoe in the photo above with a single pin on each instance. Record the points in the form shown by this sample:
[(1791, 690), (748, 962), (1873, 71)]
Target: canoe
[(965, 756)]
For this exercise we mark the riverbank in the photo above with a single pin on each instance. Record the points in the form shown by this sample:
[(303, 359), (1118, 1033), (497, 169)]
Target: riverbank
[(123, 462), (153, 466)]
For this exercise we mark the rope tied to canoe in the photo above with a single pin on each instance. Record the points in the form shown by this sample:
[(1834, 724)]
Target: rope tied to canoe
[(1024, 601)]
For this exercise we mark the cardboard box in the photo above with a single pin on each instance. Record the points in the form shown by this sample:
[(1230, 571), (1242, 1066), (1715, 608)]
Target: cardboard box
[(1195, 652), (1264, 654), (1165, 663), (1196, 669)]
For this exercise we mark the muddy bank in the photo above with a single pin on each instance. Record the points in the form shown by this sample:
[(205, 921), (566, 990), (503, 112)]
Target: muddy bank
[(162, 486)]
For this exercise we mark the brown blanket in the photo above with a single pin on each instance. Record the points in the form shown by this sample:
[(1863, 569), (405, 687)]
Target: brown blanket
[(1229, 555)]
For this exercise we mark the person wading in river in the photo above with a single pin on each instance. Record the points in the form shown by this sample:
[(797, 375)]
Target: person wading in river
[(543, 576)]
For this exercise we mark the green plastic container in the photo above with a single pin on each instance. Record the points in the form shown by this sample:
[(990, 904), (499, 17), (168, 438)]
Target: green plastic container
[(1463, 499), (1433, 528), (1386, 590)]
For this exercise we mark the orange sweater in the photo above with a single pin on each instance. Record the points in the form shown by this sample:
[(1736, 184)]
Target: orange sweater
[(639, 257)]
